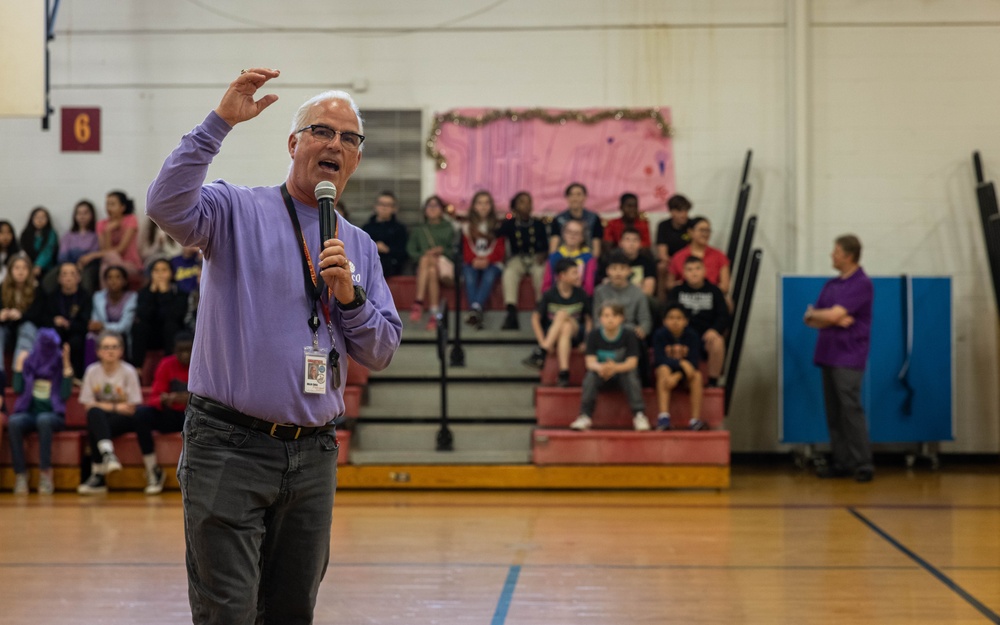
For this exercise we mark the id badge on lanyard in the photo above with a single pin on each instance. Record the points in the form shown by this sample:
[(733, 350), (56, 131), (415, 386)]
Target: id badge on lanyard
[(320, 366)]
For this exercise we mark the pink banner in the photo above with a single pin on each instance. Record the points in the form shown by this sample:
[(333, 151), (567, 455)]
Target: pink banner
[(511, 154)]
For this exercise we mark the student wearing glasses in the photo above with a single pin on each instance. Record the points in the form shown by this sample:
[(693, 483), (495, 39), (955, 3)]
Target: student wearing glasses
[(259, 463), (110, 392)]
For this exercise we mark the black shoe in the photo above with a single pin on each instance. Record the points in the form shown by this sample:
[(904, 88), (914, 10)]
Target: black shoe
[(832, 472), (511, 322), (563, 380), (697, 425), (863, 476), (536, 360)]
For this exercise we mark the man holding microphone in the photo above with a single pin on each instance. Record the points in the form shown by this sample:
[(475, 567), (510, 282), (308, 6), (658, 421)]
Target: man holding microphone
[(259, 464)]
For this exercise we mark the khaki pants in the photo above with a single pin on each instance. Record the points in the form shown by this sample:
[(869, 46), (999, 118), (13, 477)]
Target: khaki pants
[(516, 268)]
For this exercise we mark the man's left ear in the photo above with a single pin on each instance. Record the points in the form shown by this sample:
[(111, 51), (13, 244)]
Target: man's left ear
[(292, 142)]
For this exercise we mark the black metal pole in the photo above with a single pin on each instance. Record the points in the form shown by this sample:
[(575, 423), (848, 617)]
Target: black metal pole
[(977, 162), (738, 217), (445, 439), (457, 352), (740, 270), (741, 327), (746, 168)]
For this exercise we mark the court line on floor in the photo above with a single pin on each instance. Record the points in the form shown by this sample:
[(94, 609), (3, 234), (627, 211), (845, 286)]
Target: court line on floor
[(503, 604), (930, 568)]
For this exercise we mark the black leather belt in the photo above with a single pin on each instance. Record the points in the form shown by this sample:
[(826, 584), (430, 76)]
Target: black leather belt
[(283, 431)]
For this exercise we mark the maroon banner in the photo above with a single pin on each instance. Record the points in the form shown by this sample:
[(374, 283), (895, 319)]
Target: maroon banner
[(81, 129)]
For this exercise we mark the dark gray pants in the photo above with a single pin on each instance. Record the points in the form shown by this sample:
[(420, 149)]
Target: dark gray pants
[(257, 515), (628, 382), (845, 418)]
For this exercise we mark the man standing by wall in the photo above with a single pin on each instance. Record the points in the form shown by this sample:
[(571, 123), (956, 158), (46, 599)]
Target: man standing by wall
[(259, 464), (843, 316)]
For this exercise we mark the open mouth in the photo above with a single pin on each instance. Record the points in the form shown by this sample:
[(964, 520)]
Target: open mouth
[(329, 166)]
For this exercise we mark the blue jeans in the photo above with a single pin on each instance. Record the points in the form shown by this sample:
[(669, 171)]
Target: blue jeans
[(257, 517), (21, 423), (479, 283)]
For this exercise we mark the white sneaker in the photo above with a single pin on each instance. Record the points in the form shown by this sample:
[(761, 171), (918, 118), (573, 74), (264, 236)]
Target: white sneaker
[(581, 424), (154, 481), (21, 484), (640, 422), (111, 463), (45, 485)]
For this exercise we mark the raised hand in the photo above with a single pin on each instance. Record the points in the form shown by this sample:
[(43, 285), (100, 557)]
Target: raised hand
[(238, 104)]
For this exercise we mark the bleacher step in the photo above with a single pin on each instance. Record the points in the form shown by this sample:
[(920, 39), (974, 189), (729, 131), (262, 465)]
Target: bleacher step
[(624, 447), (409, 400), (420, 362), (487, 443), (416, 331)]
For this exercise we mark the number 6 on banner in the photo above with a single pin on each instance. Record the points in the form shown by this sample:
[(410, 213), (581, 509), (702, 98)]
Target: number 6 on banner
[(81, 130)]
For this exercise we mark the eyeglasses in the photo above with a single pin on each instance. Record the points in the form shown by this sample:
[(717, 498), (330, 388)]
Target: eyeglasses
[(350, 140), (110, 347)]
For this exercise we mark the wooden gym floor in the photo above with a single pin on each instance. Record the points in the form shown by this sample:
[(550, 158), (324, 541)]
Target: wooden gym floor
[(779, 547)]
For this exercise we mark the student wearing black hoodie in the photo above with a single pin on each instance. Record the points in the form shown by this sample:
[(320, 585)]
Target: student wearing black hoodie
[(388, 233)]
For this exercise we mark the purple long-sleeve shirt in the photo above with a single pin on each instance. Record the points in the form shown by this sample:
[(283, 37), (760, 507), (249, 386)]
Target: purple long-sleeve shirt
[(253, 313)]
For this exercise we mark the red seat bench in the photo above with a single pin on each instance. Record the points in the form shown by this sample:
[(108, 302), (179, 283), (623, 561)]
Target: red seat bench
[(557, 407), (404, 290)]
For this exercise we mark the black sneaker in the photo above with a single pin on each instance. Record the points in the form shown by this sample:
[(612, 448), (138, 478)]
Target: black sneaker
[(563, 380), (536, 360), (697, 425), (863, 476), (95, 485), (511, 322)]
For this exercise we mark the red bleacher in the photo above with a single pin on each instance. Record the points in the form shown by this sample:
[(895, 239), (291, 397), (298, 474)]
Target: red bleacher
[(629, 447), (69, 445), (557, 407)]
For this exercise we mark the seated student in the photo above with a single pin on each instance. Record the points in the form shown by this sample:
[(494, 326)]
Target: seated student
[(431, 247), (155, 244), (80, 246), (482, 253), (114, 307), (631, 219), (18, 293), (119, 235), (187, 269), (110, 394), (40, 242), (716, 262), (527, 243), (573, 248), (68, 311), (388, 233), (159, 313), (708, 312), (8, 246), (642, 266), (672, 235), (43, 382), (612, 360), (676, 351), (560, 321), (619, 288), (165, 410), (593, 229)]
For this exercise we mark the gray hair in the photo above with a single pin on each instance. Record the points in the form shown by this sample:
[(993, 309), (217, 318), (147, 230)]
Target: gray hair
[(299, 120)]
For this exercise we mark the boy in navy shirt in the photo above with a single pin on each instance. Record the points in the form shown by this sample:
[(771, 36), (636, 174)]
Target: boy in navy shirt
[(676, 352)]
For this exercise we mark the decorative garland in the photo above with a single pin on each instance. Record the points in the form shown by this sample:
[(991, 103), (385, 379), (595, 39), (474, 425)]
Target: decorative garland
[(536, 114)]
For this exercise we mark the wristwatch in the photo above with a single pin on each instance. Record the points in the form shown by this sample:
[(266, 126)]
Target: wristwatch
[(360, 297)]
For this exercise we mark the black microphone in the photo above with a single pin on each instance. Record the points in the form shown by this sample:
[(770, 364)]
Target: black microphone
[(326, 195)]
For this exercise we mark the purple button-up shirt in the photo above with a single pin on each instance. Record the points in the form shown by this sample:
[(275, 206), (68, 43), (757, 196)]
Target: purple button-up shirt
[(253, 312), (846, 347)]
